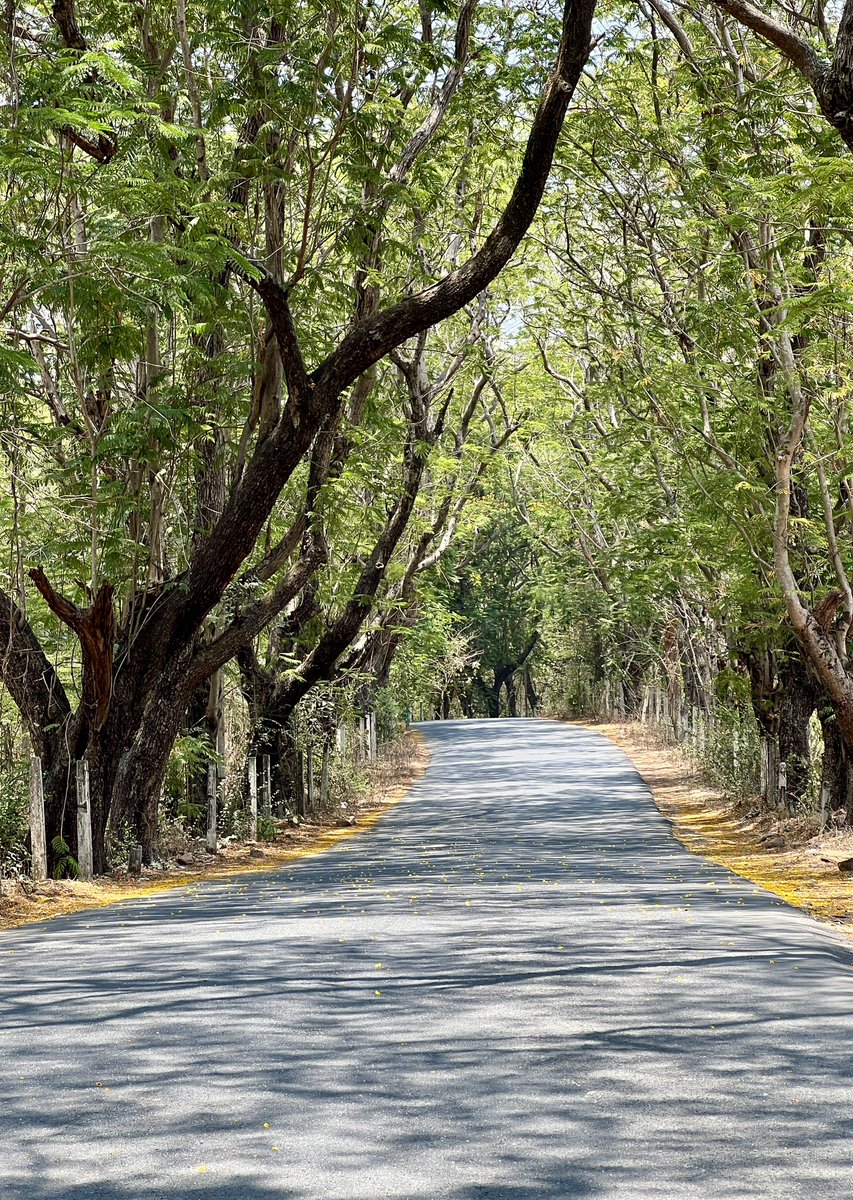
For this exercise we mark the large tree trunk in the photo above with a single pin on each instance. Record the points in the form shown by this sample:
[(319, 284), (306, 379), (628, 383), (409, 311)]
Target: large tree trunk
[(836, 776), (764, 692)]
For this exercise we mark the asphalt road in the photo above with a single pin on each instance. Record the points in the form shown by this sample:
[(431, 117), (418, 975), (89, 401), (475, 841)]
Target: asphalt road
[(518, 986)]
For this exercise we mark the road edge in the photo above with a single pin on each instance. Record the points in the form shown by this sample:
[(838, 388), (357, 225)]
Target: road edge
[(101, 895)]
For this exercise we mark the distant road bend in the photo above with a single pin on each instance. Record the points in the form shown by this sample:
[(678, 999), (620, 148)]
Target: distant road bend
[(518, 986)]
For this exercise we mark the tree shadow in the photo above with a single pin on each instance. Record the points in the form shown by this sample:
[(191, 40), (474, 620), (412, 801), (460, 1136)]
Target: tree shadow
[(517, 985)]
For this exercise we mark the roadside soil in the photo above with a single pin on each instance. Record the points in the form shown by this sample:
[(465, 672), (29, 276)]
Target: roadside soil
[(390, 778), (734, 833)]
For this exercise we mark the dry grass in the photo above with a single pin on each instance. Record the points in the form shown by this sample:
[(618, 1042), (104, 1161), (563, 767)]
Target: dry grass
[(390, 779), (803, 872)]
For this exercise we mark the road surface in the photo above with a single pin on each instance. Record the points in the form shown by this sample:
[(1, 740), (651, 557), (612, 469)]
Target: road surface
[(517, 986)]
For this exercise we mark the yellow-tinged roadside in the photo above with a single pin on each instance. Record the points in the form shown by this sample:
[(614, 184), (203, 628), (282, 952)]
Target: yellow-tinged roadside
[(803, 872)]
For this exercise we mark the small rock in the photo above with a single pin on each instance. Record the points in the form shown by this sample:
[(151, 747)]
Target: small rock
[(184, 860), (774, 842), (346, 822), (846, 866), (256, 853)]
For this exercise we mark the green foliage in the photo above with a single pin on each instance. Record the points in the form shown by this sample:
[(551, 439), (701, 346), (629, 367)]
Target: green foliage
[(14, 850), (189, 756), (66, 865), (267, 828)]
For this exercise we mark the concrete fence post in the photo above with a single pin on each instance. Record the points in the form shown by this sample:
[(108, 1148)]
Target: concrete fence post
[(212, 788), (252, 765), (37, 834), (84, 821)]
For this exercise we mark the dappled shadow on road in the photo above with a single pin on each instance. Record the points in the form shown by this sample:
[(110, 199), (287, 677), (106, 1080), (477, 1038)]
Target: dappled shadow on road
[(517, 986)]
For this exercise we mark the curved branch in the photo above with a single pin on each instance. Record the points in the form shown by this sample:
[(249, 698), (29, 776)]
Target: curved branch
[(380, 333), (96, 628), (797, 50), (28, 676)]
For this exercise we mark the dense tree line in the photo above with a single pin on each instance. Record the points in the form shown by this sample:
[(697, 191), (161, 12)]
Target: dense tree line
[(336, 354)]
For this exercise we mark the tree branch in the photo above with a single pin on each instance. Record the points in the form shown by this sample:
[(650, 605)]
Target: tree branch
[(28, 676), (380, 333)]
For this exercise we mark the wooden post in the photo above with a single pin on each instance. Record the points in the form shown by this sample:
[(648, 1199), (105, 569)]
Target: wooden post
[(770, 772), (824, 805), (253, 798), (371, 735), (783, 787), (341, 738), (134, 860), (37, 834), (84, 821), (310, 798), (324, 775), (299, 782), (266, 785), (212, 787)]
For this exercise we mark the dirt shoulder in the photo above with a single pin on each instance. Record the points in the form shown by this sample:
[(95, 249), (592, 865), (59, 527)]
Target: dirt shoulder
[(802, 870), (391, 780)]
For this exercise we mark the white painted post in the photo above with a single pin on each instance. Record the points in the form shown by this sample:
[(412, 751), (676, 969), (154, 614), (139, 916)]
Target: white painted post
[(341, 738), (37, 834), (371, 735), (266, 785), (84, 821), (324, 775), (253, 798), (644, 711), (212, 786), (783, 787)]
